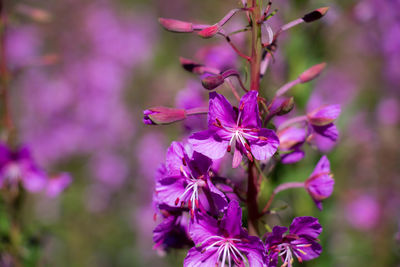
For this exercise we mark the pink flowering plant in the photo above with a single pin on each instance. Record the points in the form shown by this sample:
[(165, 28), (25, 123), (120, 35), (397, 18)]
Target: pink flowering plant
[(221, 220)]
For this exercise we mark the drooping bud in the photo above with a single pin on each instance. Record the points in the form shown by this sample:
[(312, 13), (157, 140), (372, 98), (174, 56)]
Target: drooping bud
[(312, 73), (174, 25), (190, 65), (163, 115), (324, 115), (315, 15), (209, 31), (212, 82)]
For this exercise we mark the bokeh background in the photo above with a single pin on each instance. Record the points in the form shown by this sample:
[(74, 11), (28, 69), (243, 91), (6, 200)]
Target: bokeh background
[(83, 71)]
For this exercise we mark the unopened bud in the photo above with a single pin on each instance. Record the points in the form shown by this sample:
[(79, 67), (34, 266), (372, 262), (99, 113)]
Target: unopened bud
[(212, 82), (286, 106), (190, 65), (324, 115), (312, 73), (315, 15), (163, 115), (209, 32), (174, 25)]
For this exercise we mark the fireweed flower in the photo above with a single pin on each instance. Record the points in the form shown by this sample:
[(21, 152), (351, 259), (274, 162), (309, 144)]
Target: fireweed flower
[(17, 166), (320, 183), (224, 242), (300, 242), (240, 130), (186, 181)]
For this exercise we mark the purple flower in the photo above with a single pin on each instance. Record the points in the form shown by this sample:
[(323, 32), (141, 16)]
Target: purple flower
[(363, 212), (320, 183), (56, 185), (300, 242), (185, 180), (218, 242), (240, 128), (19, 167)]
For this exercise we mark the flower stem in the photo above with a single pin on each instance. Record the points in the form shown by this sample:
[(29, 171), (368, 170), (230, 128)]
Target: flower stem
[(253, 187)]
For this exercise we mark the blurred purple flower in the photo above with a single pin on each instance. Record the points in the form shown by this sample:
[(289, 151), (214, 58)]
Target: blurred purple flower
[(17, 166), (301, 242), (22, 45), (363, 212), (388, 111), (56, 185)]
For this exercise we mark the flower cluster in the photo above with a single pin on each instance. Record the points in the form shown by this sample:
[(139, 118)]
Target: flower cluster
[(198, 203)]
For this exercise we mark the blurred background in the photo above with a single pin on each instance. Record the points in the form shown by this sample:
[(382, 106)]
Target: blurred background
[(83, 71)]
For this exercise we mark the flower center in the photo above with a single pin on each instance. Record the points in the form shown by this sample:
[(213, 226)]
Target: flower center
[(287, 251), (192, 188), (227, 250)]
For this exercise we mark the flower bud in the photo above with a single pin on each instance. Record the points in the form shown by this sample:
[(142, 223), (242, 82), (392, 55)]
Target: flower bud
[(324, 115), (174, 25), (286, 106), (191, 66), (212, 82), (163, 115), (209, 32), (315, 15), (312, 73)]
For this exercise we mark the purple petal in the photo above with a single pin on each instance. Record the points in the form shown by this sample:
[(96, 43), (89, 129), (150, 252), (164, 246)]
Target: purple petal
[(232, 220), (250, 113), (58, 184), (209, 144), (169, 190), (195, 258), (293, 157), (324, 137), (219, 198), (307, 227), (309, 252), (324, 115), (203, 228), (199, 164), (237, 157), (254, 250), (34, 180), (276, 236), (175, 155), (221, 109), (290, 137), (264, 149), (323, 166)]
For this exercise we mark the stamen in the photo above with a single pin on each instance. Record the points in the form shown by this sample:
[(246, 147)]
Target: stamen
[(176, 201), (229, 148), (184, 162)]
